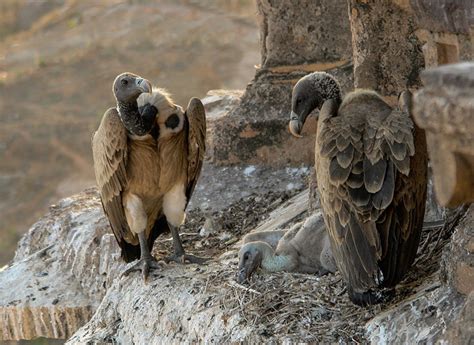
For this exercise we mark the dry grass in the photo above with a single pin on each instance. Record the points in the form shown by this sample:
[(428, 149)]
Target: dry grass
[(307, 308)]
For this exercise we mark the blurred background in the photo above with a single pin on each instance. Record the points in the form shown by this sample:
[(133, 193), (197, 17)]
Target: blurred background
[(58, 59)]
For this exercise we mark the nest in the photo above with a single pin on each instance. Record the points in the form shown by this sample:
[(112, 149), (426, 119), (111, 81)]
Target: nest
[(292, 306), (229, 225), (301, 307)]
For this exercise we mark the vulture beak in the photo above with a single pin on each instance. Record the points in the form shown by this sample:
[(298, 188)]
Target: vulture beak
[(143, 85), (295, 125), (248, 264)]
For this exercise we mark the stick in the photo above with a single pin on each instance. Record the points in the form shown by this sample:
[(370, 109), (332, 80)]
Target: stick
[(237, 285)]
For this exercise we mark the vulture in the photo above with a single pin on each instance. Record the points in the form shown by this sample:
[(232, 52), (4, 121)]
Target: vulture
[(303, 249), (371, 170), (148, 155)]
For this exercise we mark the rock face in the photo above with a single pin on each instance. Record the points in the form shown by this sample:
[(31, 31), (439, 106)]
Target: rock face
[(444, 15), (445, 110), (387, 53), (256, 129), (61, 271), (68, 260), (428, 315), (458, 269), (303, 32), (67, 268)]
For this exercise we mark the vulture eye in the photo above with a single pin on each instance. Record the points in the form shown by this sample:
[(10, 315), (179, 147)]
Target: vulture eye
[(246, 256), (124, 81)]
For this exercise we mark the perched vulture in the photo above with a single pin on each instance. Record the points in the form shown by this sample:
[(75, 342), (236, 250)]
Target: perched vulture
[(148, 155), (371, 169), (304, 249)]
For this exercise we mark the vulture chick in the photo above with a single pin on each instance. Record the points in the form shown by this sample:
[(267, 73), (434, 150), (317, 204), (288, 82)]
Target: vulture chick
[(371, 169), (304, 249), (139, 196)]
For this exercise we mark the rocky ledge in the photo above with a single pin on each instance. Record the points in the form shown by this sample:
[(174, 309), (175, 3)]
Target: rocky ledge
[(65, 281)]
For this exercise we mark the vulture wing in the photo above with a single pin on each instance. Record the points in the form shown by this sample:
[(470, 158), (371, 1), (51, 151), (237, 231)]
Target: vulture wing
[(370, 195), (401, 223), (196, 131), (109, 149)]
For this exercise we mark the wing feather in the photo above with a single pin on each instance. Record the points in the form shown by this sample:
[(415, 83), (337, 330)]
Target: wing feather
[(371, 189), (109, 150), (196, 120)]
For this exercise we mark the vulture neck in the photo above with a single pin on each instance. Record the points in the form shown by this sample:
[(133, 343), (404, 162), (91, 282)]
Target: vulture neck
[(273, 262), (127, 109), (327, 88), (129, 114)]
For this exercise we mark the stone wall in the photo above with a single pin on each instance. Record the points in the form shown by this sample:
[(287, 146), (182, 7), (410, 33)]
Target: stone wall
[(297, 37), (445, 28), (387, 53), (303, 32), (445, 109)]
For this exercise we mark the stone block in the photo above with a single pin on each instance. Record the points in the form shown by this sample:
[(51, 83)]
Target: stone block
[(445, 109), (294, 32), (256, 131), (297, 37), (444, 15), (387, 53)]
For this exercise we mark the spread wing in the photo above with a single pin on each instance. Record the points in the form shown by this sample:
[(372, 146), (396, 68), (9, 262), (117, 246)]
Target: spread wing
[(196, 131), (109, 149), (371, 199)]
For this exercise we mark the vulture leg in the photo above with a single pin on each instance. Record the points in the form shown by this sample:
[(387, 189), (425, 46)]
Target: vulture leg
[(137, 221), (179, 255), (146, 260)]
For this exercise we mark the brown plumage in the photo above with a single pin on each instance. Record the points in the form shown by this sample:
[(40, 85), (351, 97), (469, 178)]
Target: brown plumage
[(371, 168), (148, 155)]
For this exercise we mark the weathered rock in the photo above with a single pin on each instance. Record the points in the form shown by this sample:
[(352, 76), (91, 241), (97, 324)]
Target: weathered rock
[(387, 54), (461, 331), (458, 269), (61, 271), (445, 30), (421, 318), (444, 108), (435, 307), (444, 15), (72, 253), (174, 307), (256, 130), (65, 264), (303, 32)]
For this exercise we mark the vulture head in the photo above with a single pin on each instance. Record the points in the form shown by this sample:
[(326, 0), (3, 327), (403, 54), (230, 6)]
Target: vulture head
[(250, 258), (309, 93), (128, 86)]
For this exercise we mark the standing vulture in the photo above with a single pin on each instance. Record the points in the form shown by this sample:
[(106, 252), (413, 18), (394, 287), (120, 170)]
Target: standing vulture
[(371, 169), (148, 155)]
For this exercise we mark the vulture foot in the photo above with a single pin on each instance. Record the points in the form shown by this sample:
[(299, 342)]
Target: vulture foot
[(183, 258), (370, 297), (179, 255), (144, 265)]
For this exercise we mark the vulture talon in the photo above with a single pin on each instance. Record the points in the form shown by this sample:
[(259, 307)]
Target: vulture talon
[(143, 265)]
